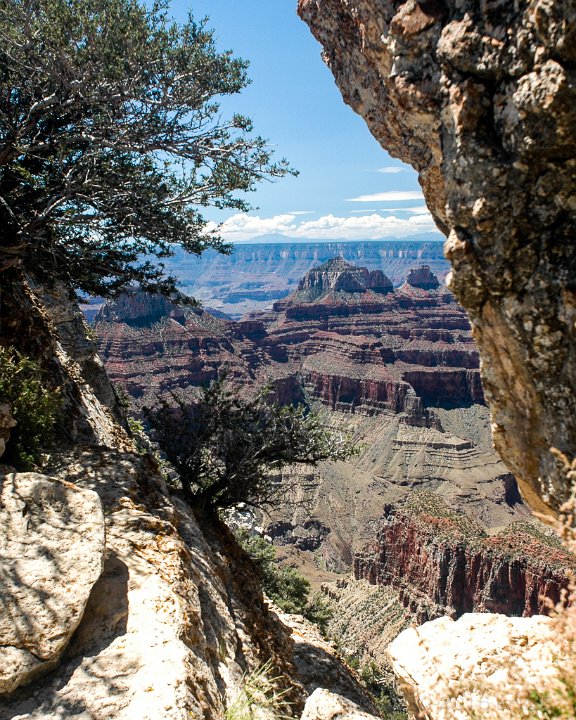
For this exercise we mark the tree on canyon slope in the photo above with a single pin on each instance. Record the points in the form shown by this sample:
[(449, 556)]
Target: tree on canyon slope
[(112, 141), (225, 448)]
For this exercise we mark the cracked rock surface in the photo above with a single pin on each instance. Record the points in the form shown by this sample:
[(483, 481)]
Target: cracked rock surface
[(480, 99), (51, 555)]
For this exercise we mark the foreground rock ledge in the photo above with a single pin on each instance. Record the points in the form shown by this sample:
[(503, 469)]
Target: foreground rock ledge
[(480, 99), (452, 669), (51, 554)]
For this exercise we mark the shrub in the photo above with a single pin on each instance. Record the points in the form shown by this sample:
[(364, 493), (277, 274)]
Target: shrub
[(34, 408), (285, 586), (225, 448)]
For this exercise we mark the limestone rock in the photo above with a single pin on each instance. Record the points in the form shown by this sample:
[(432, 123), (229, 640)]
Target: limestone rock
[(175, 621), (319, 666), (7, 422), (51, 554), (326, 705), (480, 99), (450, 669)]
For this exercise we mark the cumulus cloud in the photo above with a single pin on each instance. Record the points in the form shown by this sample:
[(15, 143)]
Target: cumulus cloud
[(390, 170), (242, 227), (389, 196)]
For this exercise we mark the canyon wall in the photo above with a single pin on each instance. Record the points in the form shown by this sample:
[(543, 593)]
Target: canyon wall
[(480, 99), (443, 563), (257, 273)]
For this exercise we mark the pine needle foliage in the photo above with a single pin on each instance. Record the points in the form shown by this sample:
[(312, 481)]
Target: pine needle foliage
[(225, 448), (112, 141)]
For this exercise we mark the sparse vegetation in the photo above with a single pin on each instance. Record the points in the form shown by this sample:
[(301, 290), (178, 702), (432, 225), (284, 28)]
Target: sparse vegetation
[(287, 587), (225, 449), (34, 408), (260, 696)]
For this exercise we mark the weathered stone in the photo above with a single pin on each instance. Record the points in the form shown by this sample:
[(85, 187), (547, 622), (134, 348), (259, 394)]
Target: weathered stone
[(51, 555), (444, 563), (326, 705), (451, 669), (7, 422), (480, 99)]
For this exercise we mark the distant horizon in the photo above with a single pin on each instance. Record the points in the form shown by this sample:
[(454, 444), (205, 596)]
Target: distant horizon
[(279, 239)]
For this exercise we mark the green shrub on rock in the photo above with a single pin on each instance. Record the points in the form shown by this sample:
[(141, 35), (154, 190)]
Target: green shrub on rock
[(285, 586), (34, 408)]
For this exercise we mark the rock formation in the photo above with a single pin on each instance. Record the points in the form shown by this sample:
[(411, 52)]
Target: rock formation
[(344, 338), (51, 555), (258, 273), (443, 563), (466, 668), (480, 99)]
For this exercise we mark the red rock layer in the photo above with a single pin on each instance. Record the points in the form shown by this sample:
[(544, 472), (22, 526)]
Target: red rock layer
[(344, 338), (442, 563)]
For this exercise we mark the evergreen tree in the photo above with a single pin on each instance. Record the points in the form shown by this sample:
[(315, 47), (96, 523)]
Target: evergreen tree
[(112, 142)]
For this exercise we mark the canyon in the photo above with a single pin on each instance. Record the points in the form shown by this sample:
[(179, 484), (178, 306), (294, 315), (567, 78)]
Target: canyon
[(480, 100), (259, 272), (394, 369)]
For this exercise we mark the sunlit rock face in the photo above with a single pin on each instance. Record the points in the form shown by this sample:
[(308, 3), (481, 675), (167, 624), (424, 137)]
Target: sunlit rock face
[(480, 99), (444, 563)]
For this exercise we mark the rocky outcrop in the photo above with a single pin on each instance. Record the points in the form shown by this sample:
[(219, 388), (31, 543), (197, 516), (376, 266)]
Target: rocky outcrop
[(255, 274), (479, 666), (326, 705), (51, 555), (444, 563), (422, 277), (340, 276), (480, 99), (345, 337)]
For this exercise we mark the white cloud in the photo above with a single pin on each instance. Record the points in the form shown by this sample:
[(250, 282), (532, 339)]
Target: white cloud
[(389, 196), (301, 212), (415, 210), (390, 170), (242, 227)]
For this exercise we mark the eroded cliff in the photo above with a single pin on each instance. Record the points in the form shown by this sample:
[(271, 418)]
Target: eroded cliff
[(480, 99), (119, 601)]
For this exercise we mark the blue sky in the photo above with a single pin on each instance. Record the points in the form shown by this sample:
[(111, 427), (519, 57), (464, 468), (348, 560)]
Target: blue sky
[(343, 190)]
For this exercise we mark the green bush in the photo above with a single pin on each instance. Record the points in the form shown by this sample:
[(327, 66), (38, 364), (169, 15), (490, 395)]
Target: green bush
[(224, 448), (34, 407), (285, 586)]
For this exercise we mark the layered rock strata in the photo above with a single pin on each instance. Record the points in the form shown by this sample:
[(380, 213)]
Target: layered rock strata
[(443, 563), (344, 338), (480, 99)]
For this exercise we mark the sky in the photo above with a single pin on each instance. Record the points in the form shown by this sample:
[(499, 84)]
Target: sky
[(348, 187)]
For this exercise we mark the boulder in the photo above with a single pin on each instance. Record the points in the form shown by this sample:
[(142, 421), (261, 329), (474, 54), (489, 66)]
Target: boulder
[(326, 705), (52, 543), (478, 666)]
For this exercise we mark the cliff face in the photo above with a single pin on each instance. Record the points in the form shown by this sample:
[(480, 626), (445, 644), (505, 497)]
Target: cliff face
[(443, 563), (480, 99), (345, 337)]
